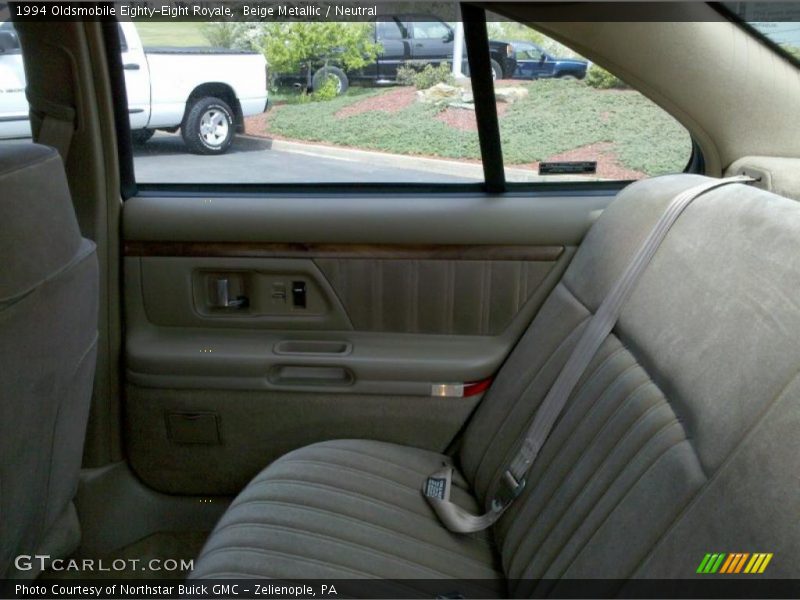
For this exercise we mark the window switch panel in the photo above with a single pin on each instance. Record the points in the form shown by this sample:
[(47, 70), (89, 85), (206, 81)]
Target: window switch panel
[(299, 294)]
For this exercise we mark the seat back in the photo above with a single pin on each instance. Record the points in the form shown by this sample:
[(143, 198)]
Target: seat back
[(682, 437), (48, 341)]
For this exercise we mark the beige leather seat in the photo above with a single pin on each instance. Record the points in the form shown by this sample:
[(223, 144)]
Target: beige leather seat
[(48, 341), (682, 438)]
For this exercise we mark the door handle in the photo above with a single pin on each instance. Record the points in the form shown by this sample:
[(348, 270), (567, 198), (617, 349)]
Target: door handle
[(131, 66), (223, 299)]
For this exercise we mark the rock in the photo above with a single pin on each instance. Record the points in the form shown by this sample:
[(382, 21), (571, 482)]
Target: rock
[(510, 95), (464, 105), (440, 93)]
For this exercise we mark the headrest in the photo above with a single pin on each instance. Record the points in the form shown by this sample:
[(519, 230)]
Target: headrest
[(39, 233)]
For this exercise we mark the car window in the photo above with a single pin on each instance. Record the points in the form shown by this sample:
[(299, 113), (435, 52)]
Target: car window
[(565, 119), (9, 42), (389, 30), (225, 103), (529, 53), (14, 110), (435, 30), (358, 111)]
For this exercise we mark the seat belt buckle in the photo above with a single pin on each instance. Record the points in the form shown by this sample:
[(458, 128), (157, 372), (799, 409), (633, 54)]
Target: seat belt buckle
[(508, 488)]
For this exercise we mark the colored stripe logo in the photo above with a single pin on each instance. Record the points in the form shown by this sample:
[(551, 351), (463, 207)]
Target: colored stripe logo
[(734, 563)]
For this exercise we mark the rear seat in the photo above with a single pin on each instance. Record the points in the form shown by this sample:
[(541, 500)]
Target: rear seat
[(681, 439)]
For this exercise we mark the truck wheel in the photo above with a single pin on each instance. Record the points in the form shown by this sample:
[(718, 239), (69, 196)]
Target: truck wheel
[(497, 70), (568, 76), (321, 76), (141, 136), (208, 127)]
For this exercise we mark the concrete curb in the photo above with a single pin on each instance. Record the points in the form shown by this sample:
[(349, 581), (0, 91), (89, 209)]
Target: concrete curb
[(383, 159)]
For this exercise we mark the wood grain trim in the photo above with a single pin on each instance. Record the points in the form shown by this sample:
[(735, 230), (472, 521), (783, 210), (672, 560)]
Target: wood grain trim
[(374, 251)]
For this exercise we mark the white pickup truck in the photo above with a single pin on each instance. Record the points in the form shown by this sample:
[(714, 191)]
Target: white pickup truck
[(204, 92)]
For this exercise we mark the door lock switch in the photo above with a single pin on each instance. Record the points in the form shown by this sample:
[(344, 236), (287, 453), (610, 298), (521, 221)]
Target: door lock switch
[(279, 293), (299, 294)]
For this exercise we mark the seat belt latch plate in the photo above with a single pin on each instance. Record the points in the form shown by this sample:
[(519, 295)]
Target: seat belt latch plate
[(509, 487)]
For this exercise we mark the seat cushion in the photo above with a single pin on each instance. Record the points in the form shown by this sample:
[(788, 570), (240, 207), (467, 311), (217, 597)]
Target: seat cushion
[(346, 509)]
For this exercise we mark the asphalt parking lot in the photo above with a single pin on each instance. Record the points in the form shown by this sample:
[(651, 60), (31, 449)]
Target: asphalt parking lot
[(164, 159)]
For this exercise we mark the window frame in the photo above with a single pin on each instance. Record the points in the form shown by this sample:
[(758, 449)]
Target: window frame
[(494, 182)]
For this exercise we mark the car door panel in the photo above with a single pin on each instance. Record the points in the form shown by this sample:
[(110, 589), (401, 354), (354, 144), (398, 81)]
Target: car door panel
[(395, 48), (432, 41), (137, 78), (394, 308)]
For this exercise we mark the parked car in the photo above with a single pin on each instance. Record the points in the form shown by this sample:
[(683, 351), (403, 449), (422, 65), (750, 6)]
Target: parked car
[(534, 63), (206, 93), (404, 39)]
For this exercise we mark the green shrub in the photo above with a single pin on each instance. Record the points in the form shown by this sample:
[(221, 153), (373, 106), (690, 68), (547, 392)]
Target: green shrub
[(599, 78), (225, 35), (424, 75), (327, 91)]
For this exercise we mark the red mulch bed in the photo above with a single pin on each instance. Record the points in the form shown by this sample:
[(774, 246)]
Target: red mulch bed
[(258, 125), (608, 166), (390, 102)]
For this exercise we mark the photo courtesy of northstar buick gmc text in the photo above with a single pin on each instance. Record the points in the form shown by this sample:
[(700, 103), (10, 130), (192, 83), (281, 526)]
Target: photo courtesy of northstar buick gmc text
[(399, 300)]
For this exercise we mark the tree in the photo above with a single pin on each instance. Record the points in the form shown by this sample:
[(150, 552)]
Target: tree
[(290, 47), (227, 34), (509, 31)]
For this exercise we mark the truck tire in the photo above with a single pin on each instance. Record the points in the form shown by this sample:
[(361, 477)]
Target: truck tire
[(141, 136), (568, 76), (321, 76), (208, 127), (497, 70)]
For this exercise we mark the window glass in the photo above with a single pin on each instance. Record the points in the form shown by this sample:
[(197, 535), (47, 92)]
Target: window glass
[(344, 107), (389, 30), (562, 118), (430, 31), (525, 51), (14, 123)]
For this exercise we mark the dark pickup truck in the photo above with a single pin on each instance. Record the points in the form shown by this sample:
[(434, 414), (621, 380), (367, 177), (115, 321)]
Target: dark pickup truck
[(404, 39), (534, 63)]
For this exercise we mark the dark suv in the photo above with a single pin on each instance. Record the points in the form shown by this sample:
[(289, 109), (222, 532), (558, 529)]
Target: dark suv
[(409, 38)]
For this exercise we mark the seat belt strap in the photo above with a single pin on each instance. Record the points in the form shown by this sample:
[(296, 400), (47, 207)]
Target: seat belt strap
[(456, 519), (57, 133), (58, 122), (512, 481)]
